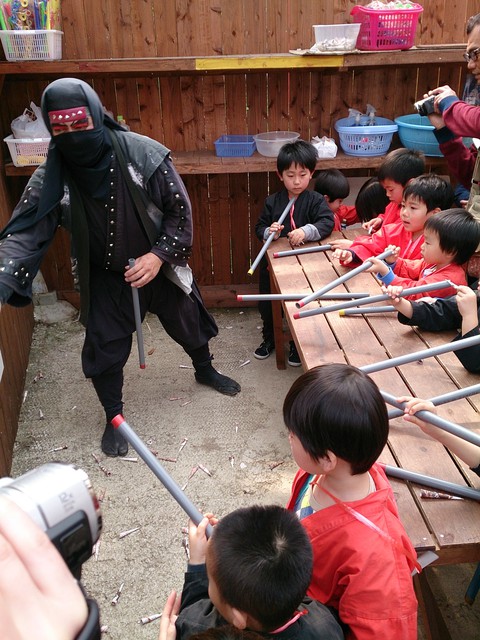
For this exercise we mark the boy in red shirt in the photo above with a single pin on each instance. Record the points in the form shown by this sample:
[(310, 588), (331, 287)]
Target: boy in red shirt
[(369, 203), (422, 197), (399, 166), (450, 239)]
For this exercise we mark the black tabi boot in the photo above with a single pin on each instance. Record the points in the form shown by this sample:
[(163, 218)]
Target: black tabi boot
[(109, 391), (113, 443), (206, 374)]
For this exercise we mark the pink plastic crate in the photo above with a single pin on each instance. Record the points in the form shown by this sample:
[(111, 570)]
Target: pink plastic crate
[(386, 30)]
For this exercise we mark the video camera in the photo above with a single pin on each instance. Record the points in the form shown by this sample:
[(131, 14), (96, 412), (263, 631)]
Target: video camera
[(60, 499)]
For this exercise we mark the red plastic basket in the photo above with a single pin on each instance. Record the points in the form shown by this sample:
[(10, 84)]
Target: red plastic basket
[(386, 30)]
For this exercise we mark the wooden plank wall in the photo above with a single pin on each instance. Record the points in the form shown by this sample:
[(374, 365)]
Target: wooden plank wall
[(188, 113), (16, 327)]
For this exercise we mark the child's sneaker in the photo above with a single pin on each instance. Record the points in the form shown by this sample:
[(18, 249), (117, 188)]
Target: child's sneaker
[(264, 350), (293, 357)]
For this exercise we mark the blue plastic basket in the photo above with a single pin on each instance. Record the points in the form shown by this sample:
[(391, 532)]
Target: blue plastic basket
[(416, 132), (365, 139), (234, 145)]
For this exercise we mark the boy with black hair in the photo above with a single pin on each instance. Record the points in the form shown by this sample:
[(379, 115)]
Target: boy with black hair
[(450, 239), (371, 199), (310, 219), (399, 166), (422, 198), (363, 558), (253, 573), (334, 187)]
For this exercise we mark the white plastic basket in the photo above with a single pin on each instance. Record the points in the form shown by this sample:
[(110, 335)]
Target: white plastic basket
[(336, 37), (31, 44), (27, 152)]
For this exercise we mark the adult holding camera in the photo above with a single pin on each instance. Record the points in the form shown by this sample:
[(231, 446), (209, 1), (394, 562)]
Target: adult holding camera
[(454, 118), (39, 597), (119, 195)]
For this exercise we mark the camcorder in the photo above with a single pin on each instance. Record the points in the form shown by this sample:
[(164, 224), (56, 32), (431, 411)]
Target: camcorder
[(426, 106), (60, 499)]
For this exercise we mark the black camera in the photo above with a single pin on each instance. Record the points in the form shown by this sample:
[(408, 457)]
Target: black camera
[(60, 499), (426, 106)]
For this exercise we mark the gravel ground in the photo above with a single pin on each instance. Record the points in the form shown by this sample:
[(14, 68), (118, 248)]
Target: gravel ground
[(238, 446)]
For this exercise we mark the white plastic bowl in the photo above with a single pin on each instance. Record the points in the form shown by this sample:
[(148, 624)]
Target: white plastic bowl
[(269, 144), (336, 37)]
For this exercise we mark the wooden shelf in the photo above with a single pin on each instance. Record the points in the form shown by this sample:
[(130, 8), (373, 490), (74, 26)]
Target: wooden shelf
[(203, 162), (448, 54)]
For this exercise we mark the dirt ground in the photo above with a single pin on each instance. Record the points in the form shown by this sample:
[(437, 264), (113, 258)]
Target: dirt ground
[(238, 446)]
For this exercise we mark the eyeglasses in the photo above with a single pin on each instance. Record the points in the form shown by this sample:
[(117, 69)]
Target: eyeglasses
[(471, 56)]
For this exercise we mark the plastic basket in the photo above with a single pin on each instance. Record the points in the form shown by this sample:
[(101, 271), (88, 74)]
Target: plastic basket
[(386, 30), (26, 152), (416, 132), (335, 37), (363, 139), (30, 44), (234, 145)]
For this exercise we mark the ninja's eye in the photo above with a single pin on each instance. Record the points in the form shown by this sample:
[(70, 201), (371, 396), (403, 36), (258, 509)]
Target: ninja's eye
[(79, 124)]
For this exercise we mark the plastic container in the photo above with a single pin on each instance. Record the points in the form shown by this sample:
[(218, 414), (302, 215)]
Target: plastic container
[(27, 151), (365, 139), (416, 132), (31, 44), (234, 145), (386, 29), (269, 144), (336, 37)]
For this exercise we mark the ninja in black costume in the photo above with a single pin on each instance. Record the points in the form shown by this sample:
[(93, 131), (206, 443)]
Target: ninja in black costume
[(120, 196)]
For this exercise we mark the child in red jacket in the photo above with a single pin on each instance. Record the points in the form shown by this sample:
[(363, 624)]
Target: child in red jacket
[(371, 199), (398, 168), (423, 196), (363, 558), (450, 239)]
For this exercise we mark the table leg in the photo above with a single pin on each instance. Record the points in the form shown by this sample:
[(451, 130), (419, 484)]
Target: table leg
[(278, 335), (435, 627)]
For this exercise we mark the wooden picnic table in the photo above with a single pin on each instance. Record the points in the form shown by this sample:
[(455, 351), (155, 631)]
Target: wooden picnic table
[(450, 528)]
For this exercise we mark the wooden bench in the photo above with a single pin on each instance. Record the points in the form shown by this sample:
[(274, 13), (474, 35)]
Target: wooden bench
[(450, 528)]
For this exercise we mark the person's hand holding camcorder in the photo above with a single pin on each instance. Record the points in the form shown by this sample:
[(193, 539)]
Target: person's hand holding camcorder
[(39, 597)]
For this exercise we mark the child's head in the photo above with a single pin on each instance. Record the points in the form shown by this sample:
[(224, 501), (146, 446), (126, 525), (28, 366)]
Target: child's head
[(371, 200), (400, 166), (422, 197), (296, 163), (337, 408), (431, 190), (259, 564), (453, 235), (333, 186)]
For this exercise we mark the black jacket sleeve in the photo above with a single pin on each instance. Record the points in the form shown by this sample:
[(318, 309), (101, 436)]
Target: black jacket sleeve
[(470, 356), (441, 315)]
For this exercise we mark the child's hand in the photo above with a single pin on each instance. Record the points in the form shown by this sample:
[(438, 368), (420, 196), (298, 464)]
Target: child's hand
[(296, 237), (169, 615), (467, 305), (393, 291), (276, 229), (341, 243), (412, 406), (466, 300), (372, 225), (197, 538), (343, 255), (395, 253), (378, 266)]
